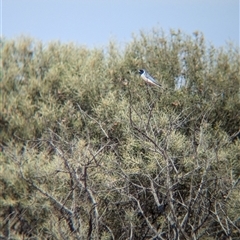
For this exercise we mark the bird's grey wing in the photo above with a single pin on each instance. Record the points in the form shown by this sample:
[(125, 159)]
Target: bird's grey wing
[(151, 78)]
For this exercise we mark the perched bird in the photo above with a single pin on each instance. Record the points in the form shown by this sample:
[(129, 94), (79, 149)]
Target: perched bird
[(147, 78)]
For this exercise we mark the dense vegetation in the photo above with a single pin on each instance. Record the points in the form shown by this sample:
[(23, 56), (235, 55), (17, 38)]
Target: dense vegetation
[(88, 151)]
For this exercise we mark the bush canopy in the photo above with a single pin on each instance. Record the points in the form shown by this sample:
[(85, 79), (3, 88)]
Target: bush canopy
[(89, 151)]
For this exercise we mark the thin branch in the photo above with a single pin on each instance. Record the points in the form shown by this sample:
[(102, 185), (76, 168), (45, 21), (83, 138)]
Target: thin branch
[(144, 216)]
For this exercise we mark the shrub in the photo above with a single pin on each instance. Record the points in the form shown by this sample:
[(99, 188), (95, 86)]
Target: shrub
[(88, 151)]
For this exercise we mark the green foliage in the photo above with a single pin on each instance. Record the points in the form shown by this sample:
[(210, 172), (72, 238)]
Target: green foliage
[(88, 151)]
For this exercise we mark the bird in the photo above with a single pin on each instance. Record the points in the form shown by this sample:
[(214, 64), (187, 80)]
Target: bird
[(148, 78)]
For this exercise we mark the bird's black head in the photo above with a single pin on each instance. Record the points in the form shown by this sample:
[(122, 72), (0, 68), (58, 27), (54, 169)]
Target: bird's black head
[(141, 71)]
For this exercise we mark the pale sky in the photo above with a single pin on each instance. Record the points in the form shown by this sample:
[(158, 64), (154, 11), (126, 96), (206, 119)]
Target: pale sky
[(95, 22)]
